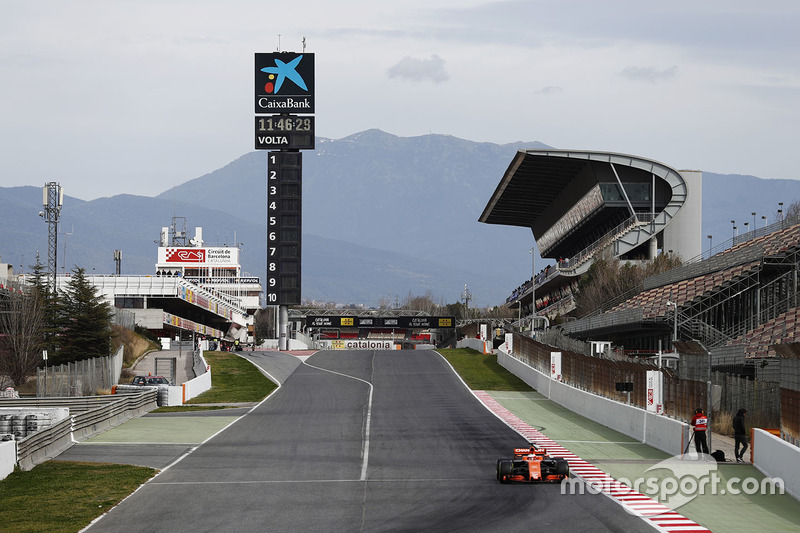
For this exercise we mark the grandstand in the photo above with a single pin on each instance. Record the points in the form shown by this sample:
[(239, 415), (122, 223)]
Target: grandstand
[(729, 315), (581, 204), (733, 298)]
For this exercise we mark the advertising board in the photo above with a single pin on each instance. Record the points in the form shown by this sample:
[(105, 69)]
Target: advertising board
[(284, 83), (362, 344), (198, 256), (399, 322)]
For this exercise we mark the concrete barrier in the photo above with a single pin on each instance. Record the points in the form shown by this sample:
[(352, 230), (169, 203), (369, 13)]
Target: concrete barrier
[(658, 431), (8, 457), (775, 457), (196, 387), (475, 344)]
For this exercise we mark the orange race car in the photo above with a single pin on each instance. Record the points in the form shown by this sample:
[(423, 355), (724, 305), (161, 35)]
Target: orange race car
[(532, 464)]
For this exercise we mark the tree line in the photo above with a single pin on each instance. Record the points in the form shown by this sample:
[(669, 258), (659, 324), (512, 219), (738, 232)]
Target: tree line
[(71, 324)]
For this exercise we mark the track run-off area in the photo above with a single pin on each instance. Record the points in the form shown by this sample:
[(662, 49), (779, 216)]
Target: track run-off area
[(358, 441)]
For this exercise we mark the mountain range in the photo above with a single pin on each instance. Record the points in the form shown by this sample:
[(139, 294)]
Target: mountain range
[(384, 217)]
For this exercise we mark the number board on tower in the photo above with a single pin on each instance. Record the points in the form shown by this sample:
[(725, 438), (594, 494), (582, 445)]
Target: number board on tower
[(284, 227)]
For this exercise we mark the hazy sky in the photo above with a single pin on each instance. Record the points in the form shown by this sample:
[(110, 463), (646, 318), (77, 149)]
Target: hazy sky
[(110, 97)]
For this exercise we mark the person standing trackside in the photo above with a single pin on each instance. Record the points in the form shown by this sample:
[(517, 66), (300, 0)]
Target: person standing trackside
[(700, 424), (740, 435)]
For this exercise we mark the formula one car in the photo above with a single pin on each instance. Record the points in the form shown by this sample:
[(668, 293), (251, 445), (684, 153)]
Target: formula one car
[(532, 465)]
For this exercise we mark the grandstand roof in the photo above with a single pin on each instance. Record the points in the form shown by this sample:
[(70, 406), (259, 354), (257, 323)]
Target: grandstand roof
[(567, 197), (530, 185)]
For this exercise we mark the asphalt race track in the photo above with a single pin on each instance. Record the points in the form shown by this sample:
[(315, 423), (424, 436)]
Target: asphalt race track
[(360, 441)]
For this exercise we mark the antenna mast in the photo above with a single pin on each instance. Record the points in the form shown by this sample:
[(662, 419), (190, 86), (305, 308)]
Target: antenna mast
[(52, 200), (467, 296)]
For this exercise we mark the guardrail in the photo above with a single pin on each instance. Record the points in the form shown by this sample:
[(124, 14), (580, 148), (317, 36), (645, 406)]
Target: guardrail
[(88, 417)]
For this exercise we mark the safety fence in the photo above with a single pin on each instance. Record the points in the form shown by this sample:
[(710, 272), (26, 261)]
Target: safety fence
[(80, 378), (683, 391), (600, 376)]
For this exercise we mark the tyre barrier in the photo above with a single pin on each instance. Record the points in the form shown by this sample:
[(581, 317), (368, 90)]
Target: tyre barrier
[(21, 424), (74, 419), (163, 395), (162, 391)]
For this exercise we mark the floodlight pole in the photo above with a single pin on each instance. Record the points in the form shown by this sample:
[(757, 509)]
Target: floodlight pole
[(533, 286), (675, 324)]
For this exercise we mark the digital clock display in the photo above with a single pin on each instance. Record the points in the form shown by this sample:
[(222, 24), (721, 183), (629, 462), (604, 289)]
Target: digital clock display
[(284, 124), (284, 132)]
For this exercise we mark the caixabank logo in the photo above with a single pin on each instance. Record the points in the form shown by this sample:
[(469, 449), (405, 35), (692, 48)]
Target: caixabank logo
[(284, 83)]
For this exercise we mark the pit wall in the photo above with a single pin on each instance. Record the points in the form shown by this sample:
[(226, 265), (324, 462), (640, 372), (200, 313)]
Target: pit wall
[(658, 431), (775, 457)]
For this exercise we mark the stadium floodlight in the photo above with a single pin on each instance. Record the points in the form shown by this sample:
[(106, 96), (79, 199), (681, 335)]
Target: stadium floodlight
[(675, 322)]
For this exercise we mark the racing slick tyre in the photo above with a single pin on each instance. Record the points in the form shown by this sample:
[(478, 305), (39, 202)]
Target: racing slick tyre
[(504, 468), (562, 467)]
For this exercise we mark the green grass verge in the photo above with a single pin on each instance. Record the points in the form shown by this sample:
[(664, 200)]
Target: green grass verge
[(483, 372), (233, 380), (65, 496)]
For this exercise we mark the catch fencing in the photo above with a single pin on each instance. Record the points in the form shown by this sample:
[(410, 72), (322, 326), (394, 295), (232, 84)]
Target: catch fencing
[(80, 378), (600, 375), (684, 390)]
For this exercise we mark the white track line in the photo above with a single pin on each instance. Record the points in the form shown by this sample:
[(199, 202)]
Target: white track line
[(365, 442), (303, 481)]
